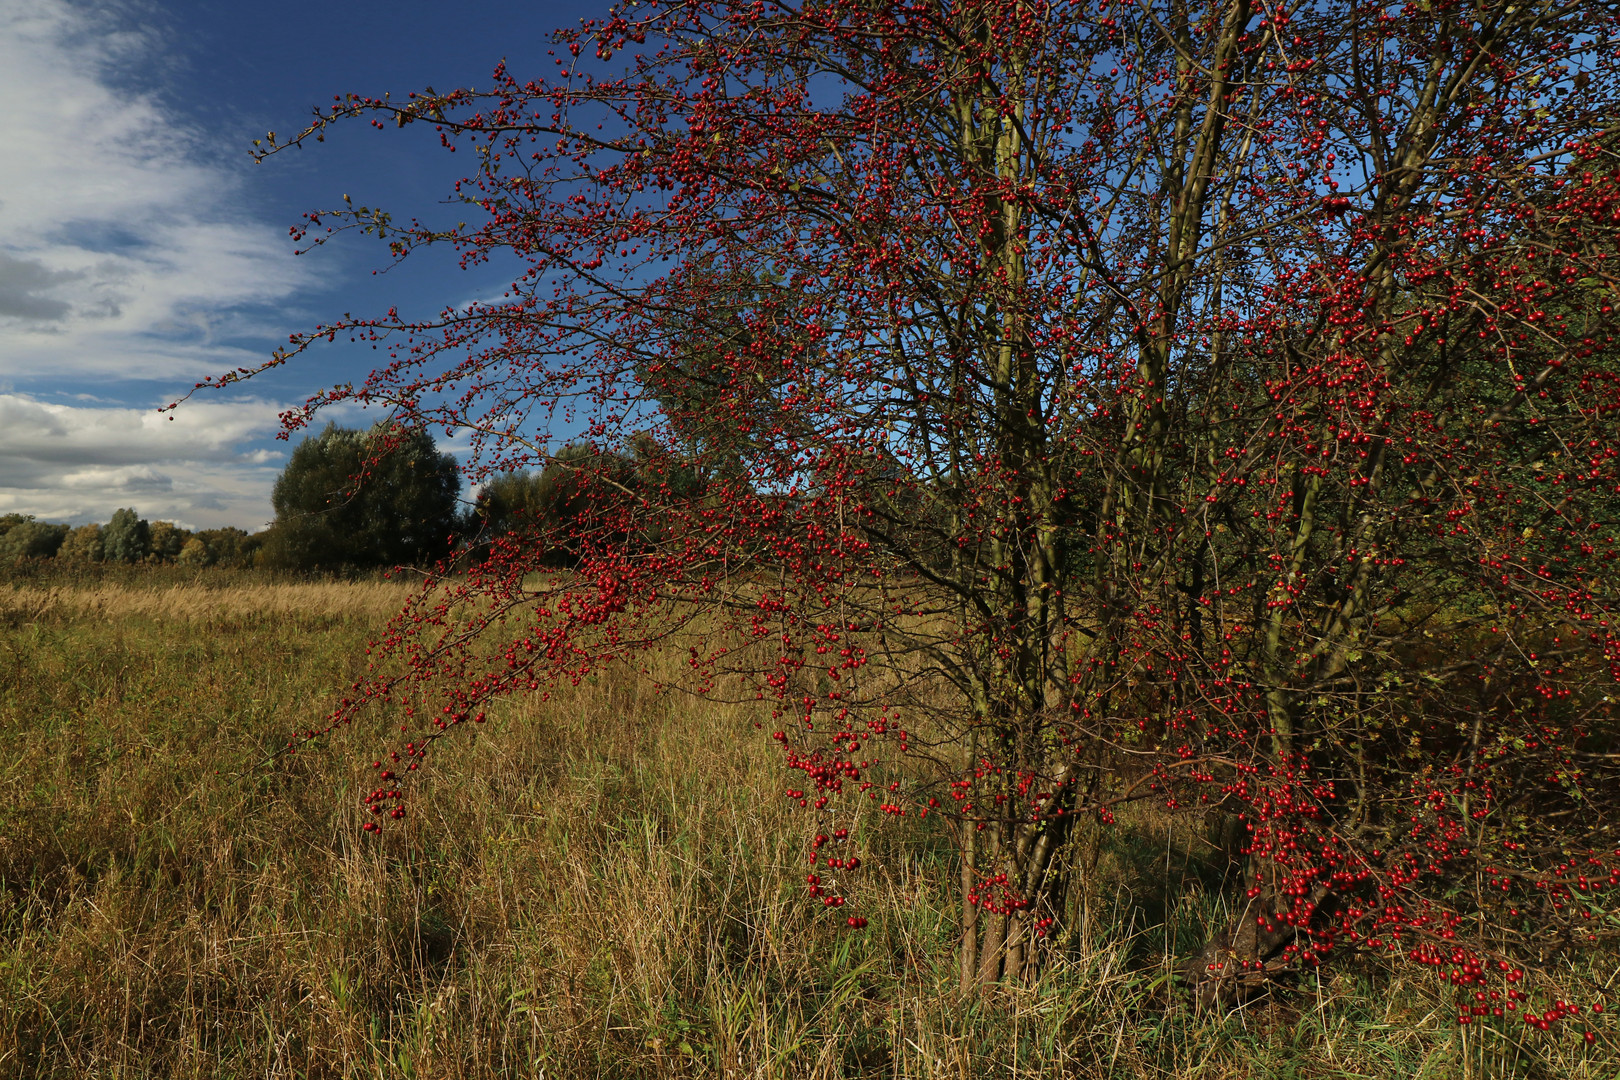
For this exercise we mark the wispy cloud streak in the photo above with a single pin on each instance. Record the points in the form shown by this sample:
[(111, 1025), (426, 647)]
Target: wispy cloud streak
[(122, 253)]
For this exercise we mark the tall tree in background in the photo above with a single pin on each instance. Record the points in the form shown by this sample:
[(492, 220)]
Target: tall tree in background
[(384, 497), (127, 537), (1210, 403), (691, 369), (544, 514)]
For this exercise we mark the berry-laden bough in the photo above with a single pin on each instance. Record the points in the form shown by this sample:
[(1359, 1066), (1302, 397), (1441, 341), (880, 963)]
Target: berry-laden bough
[(1036, 408)]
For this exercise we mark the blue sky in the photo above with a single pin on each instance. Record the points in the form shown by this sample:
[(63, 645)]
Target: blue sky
[(141, 249)]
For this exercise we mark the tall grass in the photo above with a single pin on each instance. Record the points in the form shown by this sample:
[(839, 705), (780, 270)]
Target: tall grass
[(607, 884), (369, 602)]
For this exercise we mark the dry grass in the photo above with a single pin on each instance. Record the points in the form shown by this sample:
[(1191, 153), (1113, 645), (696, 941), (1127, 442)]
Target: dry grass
[(369, 600), (602, 885)]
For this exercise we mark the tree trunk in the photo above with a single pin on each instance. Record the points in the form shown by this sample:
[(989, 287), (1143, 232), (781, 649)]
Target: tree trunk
[(1244, 958), (1006, 946)]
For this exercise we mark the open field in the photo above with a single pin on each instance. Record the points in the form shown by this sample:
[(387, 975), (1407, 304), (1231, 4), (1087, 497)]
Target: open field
[(595, 886)]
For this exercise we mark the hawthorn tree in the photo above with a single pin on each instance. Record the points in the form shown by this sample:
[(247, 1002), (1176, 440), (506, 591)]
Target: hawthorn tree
[(1210, 403)]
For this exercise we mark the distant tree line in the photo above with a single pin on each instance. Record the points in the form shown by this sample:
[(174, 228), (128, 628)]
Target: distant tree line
[(127, 538), (352, 500)]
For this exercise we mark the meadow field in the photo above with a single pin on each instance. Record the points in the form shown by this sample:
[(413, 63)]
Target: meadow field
[(598, 885)]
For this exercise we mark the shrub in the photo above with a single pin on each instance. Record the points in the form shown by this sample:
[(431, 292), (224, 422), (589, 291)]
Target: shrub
[(167, 539), (227, 546), (1235, 429), (194, 553), (32, 540), (83, 545)]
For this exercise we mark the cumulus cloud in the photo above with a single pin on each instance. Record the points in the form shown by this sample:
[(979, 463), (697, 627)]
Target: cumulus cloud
[(77, 463), (120, 252)]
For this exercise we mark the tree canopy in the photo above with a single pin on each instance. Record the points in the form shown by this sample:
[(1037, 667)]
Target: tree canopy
[(127, 537), (347, 498), (21, 537)]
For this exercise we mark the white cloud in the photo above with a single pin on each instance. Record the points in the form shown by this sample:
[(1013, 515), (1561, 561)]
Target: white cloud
[(120, 253), (119, 478), (76, 463)]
